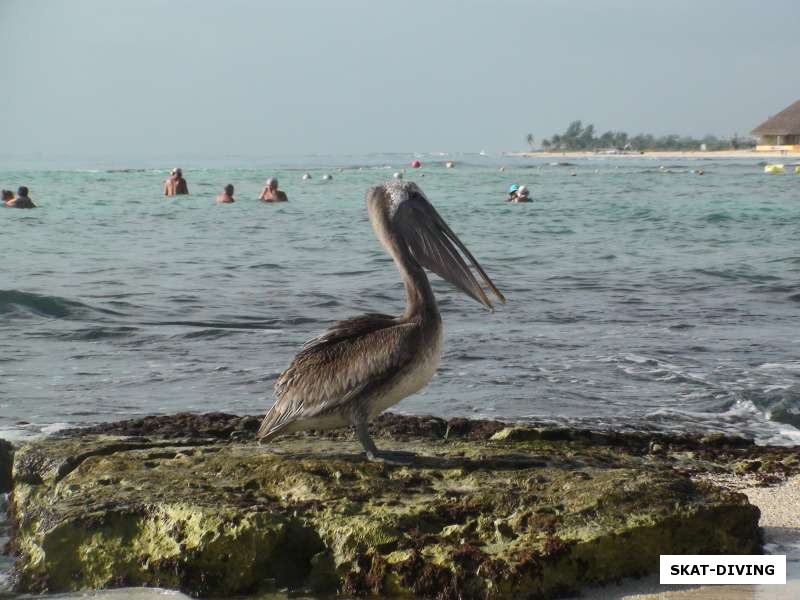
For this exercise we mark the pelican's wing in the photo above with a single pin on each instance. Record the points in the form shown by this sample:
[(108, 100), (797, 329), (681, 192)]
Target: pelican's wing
[(351, 358), (433, 244)]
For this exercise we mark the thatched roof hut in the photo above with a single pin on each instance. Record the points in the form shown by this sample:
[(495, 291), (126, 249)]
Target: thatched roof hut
[(781, 130)]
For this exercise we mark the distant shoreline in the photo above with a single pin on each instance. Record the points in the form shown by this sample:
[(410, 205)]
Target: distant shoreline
[(661, 154)]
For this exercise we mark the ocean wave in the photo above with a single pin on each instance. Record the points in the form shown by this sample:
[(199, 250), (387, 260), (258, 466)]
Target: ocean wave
[(326, 304), (774, 399), (645, 368), (92, 334), (732, 275), (795, 260), (16, 303), (786, 366), (267, 266), (351, 273), (212, 325), (742, 417), (717, 217), (777, 403), (208, 334)]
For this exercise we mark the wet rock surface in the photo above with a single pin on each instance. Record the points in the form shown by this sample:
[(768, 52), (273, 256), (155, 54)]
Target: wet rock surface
[(6, 460), (485, 511)]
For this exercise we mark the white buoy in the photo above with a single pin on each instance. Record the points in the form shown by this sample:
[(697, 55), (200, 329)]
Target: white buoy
[(306, 176), (502, 169), (327, 176), (398, 175), (449, 164)]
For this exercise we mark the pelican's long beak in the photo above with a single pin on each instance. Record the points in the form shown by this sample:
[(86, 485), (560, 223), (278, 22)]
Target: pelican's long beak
[(433, 244)]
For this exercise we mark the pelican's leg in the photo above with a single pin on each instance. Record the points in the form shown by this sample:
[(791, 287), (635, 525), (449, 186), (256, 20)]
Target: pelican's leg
[(362, 433), (373, 454)]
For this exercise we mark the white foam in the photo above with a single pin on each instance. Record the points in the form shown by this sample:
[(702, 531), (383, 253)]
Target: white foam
[(55, 427), (18, 435), (788, 366), (774, 388)]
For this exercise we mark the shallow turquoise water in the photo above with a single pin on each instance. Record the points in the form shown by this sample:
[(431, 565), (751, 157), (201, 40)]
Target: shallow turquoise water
[(638, 297)]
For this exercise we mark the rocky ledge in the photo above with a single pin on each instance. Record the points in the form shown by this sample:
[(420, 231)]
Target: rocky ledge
[(190, 502)]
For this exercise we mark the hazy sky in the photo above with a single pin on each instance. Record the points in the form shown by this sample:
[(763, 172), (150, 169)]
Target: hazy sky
[(128, 77)]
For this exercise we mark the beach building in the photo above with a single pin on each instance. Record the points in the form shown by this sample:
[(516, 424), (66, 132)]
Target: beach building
[(781, 132)]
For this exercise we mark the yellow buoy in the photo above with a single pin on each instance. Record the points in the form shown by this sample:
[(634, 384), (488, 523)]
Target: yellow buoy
[(797, 169), (773, 169)]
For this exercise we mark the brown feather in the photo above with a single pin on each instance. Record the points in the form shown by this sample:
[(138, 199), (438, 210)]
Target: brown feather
[(330, 371)]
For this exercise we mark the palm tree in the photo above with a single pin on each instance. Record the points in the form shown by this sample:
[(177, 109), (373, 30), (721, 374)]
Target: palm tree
[(529, 139)]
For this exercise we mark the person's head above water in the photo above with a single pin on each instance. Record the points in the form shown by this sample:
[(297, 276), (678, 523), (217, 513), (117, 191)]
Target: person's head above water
[(8, 195), (22, 192), (272, 183), (513, 188), (522, 191), (229, 189), (177, 172)]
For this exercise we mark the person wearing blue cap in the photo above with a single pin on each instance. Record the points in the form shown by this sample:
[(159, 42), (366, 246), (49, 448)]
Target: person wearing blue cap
[(512, 192)]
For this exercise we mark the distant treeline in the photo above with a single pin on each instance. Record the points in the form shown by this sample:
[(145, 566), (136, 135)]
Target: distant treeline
[(578, 137)]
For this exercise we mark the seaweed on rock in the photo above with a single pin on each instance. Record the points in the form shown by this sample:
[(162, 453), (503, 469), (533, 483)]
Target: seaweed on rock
[(485, 512)]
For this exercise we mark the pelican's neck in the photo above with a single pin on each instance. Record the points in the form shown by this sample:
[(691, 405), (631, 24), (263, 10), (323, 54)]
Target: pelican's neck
[(420, 301)]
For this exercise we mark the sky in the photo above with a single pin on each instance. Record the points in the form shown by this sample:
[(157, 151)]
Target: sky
[(246, 77)]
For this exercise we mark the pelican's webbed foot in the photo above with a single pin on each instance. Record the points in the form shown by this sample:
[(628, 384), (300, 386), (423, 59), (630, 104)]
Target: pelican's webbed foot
[(389, 457), (375, 455)]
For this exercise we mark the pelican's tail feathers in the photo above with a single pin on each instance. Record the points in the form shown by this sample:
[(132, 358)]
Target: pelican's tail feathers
[(269, 435), (275, 423)]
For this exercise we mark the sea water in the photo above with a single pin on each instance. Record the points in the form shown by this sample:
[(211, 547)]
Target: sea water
[(641, 295)]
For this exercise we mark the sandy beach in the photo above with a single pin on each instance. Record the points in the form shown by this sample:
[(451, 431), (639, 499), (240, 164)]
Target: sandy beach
[(715, 154)]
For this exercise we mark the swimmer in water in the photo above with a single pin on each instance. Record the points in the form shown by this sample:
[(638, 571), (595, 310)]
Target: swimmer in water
[(21, 201), (512, 193), (8, 195), (176, 185), (226, 197), (523, 195), (271, 193)]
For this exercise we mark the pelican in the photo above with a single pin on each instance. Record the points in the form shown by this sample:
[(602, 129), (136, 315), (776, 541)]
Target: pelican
[(363, 365)]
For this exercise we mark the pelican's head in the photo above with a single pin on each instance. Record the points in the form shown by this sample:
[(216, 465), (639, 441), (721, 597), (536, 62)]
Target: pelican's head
[(401, 214)]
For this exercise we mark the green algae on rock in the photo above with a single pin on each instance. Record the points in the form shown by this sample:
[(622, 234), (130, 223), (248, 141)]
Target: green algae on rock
[(525, 513)]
